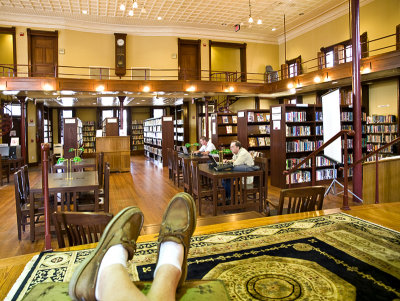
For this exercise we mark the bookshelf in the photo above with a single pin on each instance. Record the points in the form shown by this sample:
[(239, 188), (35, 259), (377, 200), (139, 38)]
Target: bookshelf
[(137, 141), (381, 129), (299, 132), (181, 125), (110, 127), (72, 135), (158, 137), (89, 137), (254, 130), (223, 129)]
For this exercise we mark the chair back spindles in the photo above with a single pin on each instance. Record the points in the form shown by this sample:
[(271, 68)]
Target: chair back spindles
[(301, 199), (107, 187), (100, 168), (195, 177)]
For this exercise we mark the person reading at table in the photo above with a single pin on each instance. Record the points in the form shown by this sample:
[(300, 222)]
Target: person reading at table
[(242, 161), (206, 146), (103, 275)]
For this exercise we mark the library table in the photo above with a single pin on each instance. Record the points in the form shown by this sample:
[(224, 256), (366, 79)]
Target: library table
[(12, 165), (238, 195), (60, 183), (200, 159), (76, 166)]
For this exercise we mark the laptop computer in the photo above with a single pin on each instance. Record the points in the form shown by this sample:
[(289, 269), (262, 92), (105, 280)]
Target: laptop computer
[(185, 150), (219, 167)]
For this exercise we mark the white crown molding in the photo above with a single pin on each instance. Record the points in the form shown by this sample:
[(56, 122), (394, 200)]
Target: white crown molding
[(139, 30), (327, 17)]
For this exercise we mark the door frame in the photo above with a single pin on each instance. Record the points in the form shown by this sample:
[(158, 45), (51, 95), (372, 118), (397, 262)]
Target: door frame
[(243, 58), (190, 42), (11, 31), (42, 33)]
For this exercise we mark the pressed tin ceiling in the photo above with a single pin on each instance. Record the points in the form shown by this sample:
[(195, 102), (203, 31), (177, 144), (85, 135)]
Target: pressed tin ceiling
[(214, 18)]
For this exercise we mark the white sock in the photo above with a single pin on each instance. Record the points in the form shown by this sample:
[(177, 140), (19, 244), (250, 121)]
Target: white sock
[(170, 253), (115, 255)]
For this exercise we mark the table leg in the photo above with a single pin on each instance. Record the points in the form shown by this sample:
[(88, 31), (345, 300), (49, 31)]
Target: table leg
[(75, 201), (215, 196), (96, 200), (32, 216)]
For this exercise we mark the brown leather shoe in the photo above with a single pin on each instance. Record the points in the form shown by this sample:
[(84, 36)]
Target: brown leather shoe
[(123, 229), (178, 225)]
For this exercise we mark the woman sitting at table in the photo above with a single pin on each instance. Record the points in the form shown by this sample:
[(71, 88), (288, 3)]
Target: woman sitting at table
[(242, 161)]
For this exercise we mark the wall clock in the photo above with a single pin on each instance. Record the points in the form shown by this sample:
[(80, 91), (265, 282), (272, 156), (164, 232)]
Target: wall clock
[(120, 54)]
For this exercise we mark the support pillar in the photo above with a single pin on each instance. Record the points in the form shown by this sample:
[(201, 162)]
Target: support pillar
[(121, 111), (357, 100), (23, 123), (45, 189), (206, 116)]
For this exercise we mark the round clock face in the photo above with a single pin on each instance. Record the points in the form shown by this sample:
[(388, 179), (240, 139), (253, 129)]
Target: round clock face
[(120, 42)]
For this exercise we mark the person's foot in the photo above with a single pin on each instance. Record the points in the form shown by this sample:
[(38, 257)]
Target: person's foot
[(178, 225), (123, 229)]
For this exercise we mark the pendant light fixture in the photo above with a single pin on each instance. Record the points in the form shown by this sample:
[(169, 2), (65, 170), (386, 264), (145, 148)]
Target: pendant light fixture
[(250, 18)]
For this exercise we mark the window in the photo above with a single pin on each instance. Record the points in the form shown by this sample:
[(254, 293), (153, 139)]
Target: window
[(349, 53), (107, 114), (124, 131), (329, 59), (294, 66), (158, 113), (13, 109), (292, 70), (66, 113)]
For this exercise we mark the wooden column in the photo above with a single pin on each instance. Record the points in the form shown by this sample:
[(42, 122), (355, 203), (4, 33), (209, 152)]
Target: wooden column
[(356, 86), (45, 189), (121, 111), (257, 103), (23, 123), (206, 116)]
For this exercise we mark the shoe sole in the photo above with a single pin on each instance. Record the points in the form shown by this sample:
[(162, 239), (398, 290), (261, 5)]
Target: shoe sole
[(77, 273)]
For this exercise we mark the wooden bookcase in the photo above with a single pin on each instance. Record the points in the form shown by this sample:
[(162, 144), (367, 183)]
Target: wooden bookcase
[(72, 135), (158, 137), (89, 137), (299, 132), (382, 129), (137, 141), (110, 127), (224, 129), (254, 130), (181, 125)]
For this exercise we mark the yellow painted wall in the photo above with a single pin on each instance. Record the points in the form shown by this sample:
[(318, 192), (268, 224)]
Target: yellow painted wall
[(383, 98), (310, 98), (31, 118), (265, 104), (192, 122), (225, 59), (244, 103), (6, 49), (86, 114), (258, 56), (22, 51), (140, 113), (379, 18)]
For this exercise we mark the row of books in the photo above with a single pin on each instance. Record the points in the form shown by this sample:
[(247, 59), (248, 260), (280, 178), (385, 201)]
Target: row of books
[(153, 122), (293, 131), (137, 122), (178, 138), (178, 130), (260, 117), (178, 122), (382, 128), (319, 162), (153, 141), (89, 139), (300, 176), (259, 141), (300, 146), (137, 136), (381, 119), (296, 116), (89, 128), (153, 135), (154, 150), (137, 132), (88, 145), (319, 130), (374, 147), (325, 174), (225, 119), (350, 127), (381, 138), (138, 141), (346, 116), (318, 116), (152, 128)]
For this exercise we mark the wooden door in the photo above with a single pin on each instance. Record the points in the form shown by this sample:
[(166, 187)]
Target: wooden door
[(43, 53), (189, 59)]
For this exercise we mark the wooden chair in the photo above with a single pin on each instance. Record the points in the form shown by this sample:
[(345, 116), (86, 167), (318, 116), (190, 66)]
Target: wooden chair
[(170, 163), (251, 191), (299, 200), (176, 168), (79, 227), (187, 181), (100, 168), (200, 191), (22, 204), (4, 172), (85, 202)]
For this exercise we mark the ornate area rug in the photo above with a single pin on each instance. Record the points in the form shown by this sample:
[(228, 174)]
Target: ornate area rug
[(332, 257)]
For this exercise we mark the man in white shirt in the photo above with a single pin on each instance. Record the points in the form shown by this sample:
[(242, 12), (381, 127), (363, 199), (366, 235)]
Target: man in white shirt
[(241, 160), (206, 146)]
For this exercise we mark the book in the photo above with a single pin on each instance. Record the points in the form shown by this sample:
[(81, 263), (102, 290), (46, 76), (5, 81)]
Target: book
[(250, 117), (267, 117), (261, 141), (252, 142), (234, 119), (225, 119), (262, 129), (229, 129), (260, 117)]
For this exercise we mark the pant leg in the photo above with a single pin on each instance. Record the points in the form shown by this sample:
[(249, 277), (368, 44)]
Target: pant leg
[(226, 183)]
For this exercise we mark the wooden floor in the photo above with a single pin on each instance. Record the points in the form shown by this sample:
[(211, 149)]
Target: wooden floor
[(146, 186)]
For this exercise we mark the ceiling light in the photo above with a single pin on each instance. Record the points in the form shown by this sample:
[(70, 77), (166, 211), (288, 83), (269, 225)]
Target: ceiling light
[(290, 85), (100, 88), (84, 12), (231, 89), (259, 22), (146, 89), (47, 87), (67, 92), (191, 89), (107, 101), (10, 92), (122, 7), (366, 70), (135, 4), (273, 29), (317, 79), (250, 19), (130, 13), (67, 101), (143, 99), (293, 91), (159, 18)]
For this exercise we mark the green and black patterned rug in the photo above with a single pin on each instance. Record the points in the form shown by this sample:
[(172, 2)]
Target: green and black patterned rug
[(332, 257)]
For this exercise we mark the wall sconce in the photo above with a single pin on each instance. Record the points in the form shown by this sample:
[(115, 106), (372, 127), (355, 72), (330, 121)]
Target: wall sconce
[(100, 88), (230, 89), (191, 89), (367, 69), (47, 87), (146, 89), (290, 86), (317, 79)]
